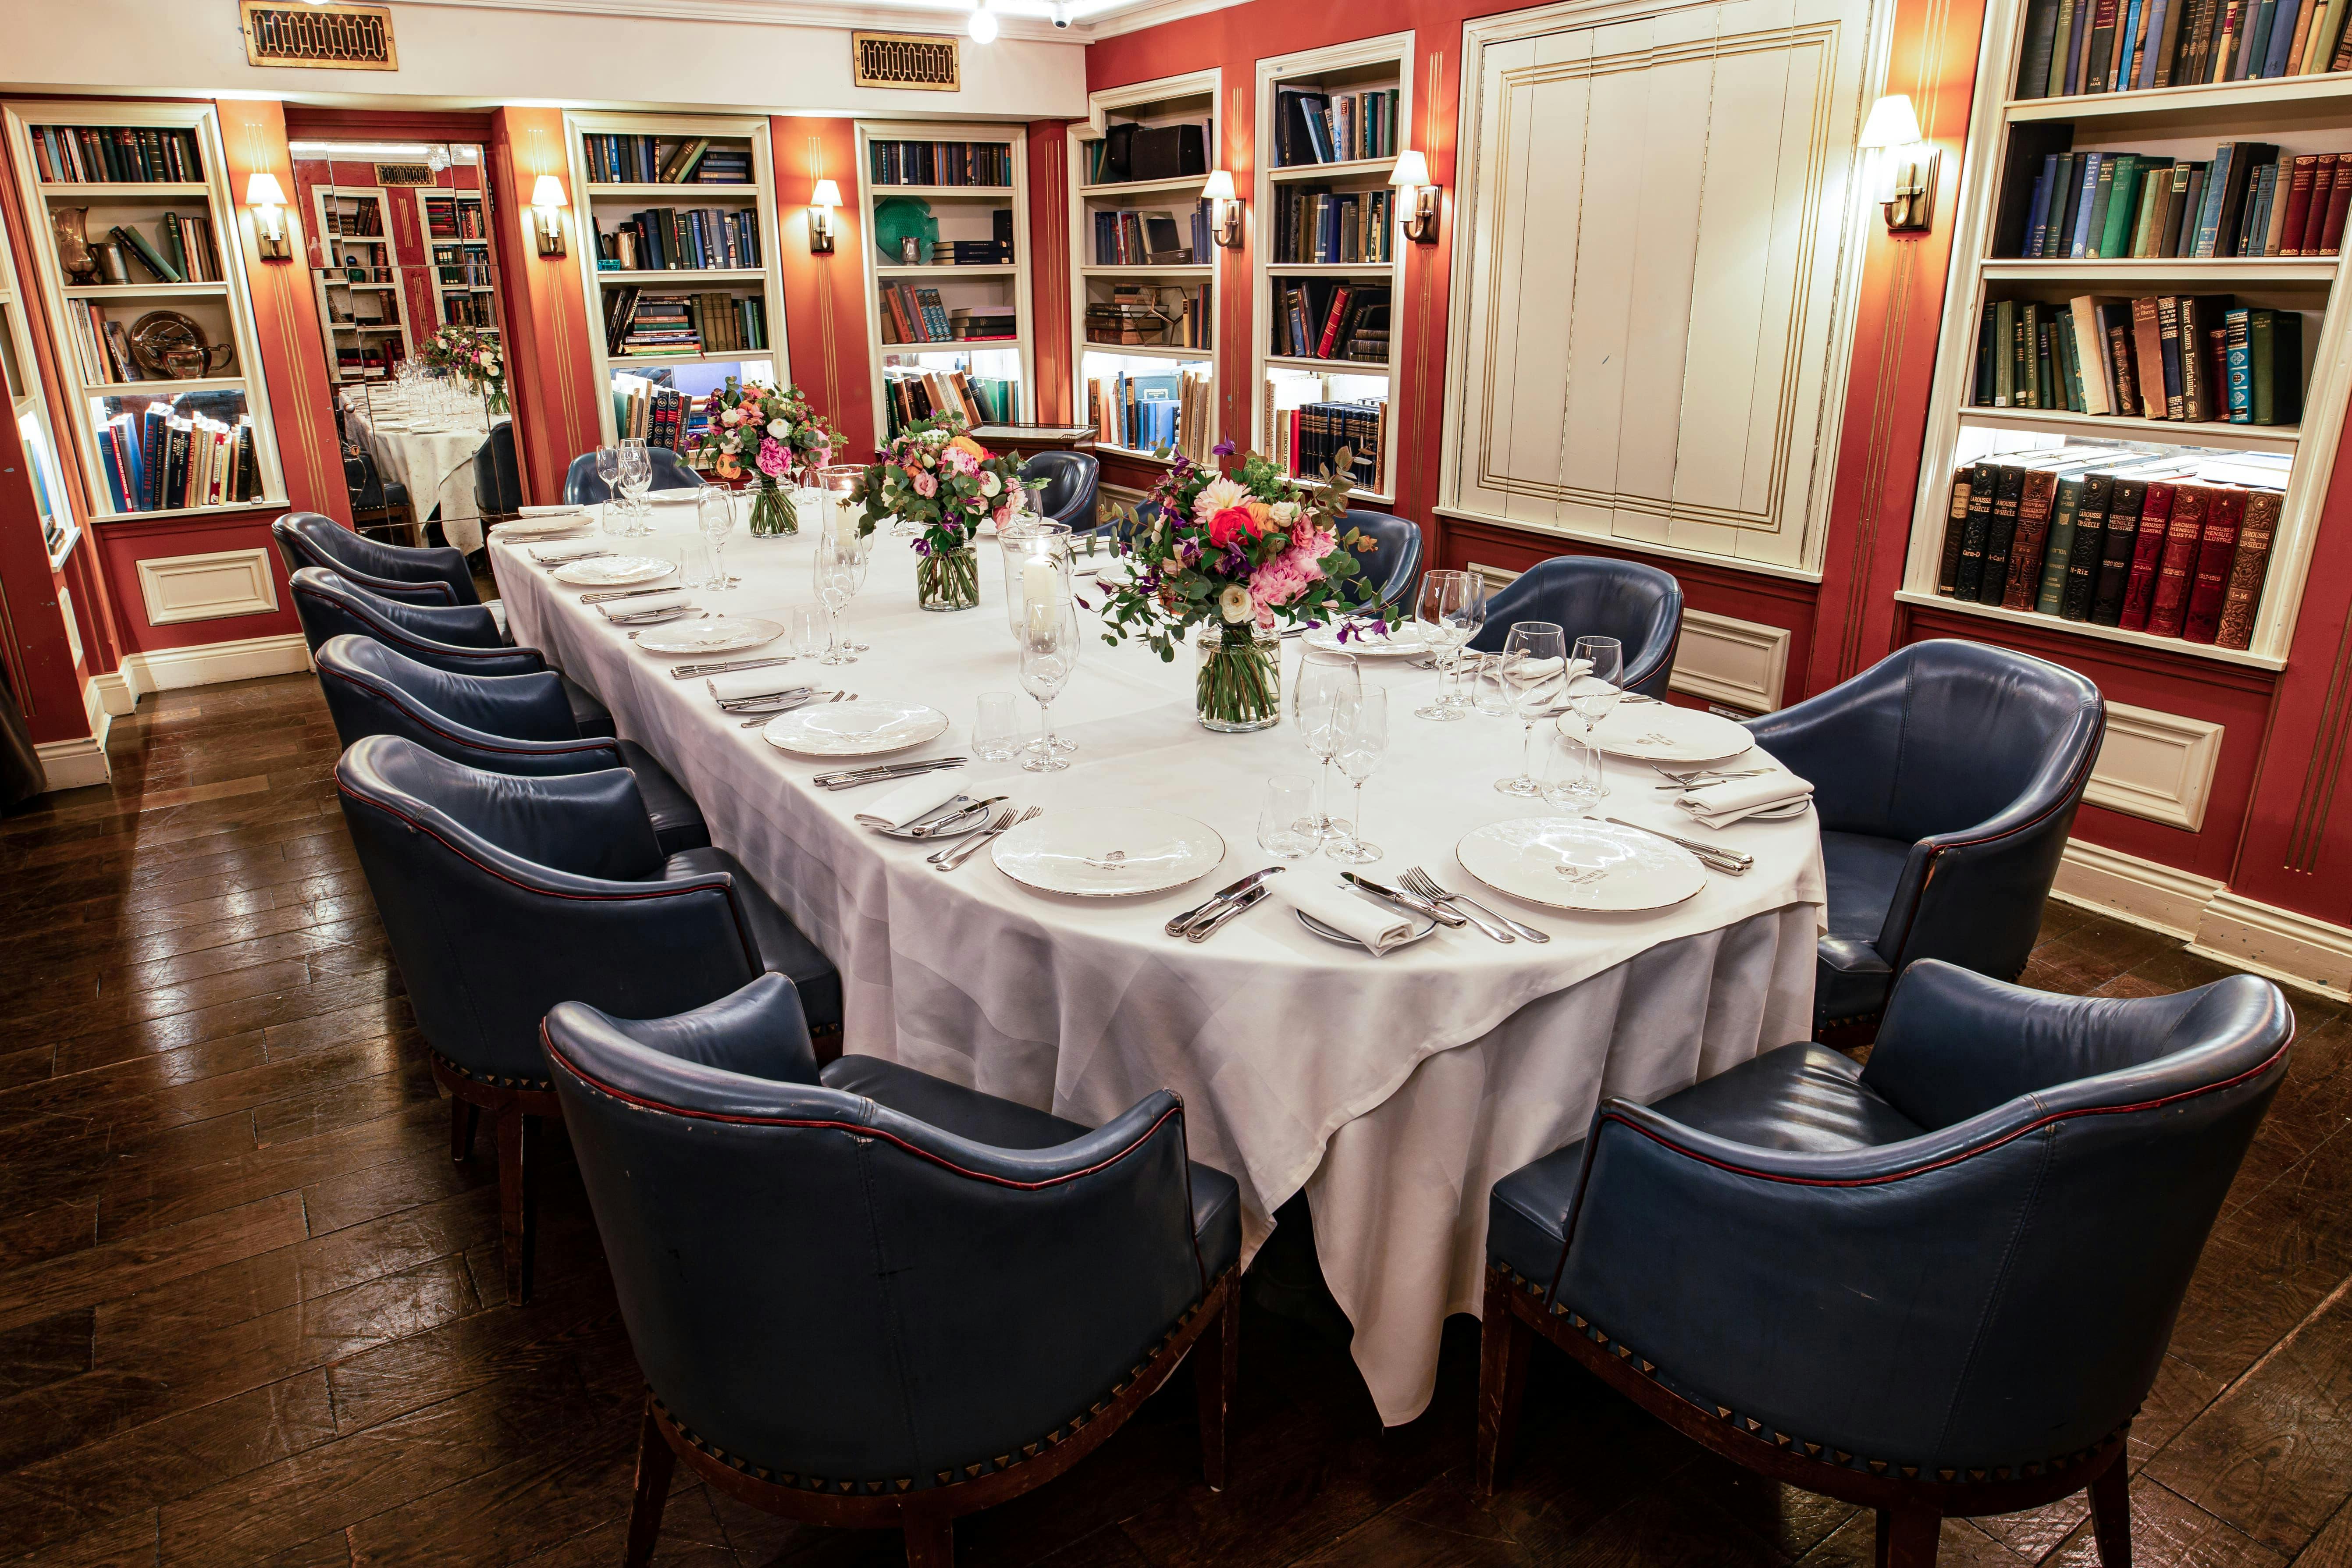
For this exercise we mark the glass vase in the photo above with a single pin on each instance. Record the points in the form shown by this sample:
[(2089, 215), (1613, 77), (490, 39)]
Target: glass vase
[(947, 579), (1239, 686), (773, 513)]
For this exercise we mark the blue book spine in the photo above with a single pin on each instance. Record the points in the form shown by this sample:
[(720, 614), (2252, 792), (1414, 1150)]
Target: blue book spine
[(2208, 211), (2080, 244), (2282, 38), (2037, 226), (2125, 36), (2159, 12)]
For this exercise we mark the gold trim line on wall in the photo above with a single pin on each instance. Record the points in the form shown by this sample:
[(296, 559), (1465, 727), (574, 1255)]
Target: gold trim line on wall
[(318, 37), (916, 62)]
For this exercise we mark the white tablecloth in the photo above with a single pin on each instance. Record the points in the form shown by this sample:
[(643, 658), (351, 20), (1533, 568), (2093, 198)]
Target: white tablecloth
[(437, 466), (1395, 1092)]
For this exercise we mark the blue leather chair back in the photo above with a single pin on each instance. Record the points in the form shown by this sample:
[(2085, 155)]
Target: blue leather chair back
[(1062, 486), (1395, 566), (456, 637), (1596, 596), (845, 1294), (505, 895), (501, 723), (1997, 1291), (417, 576), (497, 477), (671, 472)]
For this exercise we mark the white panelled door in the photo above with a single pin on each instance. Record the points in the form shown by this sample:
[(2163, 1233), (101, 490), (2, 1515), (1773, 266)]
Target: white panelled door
[(1658, 238)]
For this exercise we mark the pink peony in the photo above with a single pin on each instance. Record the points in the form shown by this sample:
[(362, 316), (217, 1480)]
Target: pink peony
[(774, 461), (926, 485), (962, 461), (1003, 516)]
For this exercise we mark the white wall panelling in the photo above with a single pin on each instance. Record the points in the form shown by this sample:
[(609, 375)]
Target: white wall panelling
[(207, 587), (2156, 765), (1741, 664)]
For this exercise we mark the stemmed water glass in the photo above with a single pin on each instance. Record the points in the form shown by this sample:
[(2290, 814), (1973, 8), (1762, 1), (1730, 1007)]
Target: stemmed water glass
[(608, 470), (1049, 654), (1535, 659), (636, 475), (1363, 742), (861, 557), (1328, 683), (835, 576), (1594, 696), (714, 508), (1451, 607)]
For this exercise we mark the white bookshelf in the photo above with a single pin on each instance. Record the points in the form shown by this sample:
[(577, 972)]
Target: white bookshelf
[(1191, 99), (1280, 382), (961, 212), (20, 382), (343, 301), (606, 204), (222, 310), (474, 253), (2301, 114)]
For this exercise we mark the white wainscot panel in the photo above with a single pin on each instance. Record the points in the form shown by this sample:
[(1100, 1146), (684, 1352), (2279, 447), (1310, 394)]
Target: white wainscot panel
[(1741, 664), (2156, 765), (207, 587)]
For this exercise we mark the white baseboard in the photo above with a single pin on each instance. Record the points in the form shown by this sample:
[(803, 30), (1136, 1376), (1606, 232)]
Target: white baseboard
[(2214, 922), (73, 764), (206, 664), (2141, 891)]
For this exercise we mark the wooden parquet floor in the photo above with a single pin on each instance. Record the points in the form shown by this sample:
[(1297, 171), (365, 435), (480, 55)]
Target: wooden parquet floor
[(250, 1313)]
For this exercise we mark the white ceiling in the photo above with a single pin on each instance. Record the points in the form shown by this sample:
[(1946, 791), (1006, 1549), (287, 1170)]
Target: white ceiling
[(1089, 19)]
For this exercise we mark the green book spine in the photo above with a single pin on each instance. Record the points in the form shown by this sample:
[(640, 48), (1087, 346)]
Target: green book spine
[(2121, 207), (2054, 554), (2004, 384), (2102, 197)]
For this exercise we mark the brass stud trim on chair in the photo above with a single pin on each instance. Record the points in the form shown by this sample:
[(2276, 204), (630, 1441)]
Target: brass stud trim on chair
[(1876, 1466), (904, 1483), (944, 1478), (1724, 1411)]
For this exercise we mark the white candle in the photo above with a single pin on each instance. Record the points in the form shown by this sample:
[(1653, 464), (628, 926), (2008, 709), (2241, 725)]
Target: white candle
[(1040, 583)]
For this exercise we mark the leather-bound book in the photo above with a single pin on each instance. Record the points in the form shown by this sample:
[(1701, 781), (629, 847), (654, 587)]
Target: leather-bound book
[(1993, 575), (2243, 596), (1967, 578), (2083, 560), (2148, 556), (2183, 533), (2216, 548), (2024, 575), (1956, 524), (2060, 546), (2147, 357), (2124, 505)]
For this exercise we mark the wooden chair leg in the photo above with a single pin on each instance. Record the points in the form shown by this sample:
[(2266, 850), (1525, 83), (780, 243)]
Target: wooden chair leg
[(930, 1541), (1908, 1538), (655, 1461), (515, 1201), (1216, 1360), (465, 1116), (1504, 1341), (2111, 1515)]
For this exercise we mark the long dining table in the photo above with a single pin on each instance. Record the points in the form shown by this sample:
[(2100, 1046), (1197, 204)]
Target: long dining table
[(1393, 1091)]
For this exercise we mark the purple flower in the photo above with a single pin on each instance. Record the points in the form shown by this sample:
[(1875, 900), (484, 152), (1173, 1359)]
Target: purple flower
[(1224, 448)]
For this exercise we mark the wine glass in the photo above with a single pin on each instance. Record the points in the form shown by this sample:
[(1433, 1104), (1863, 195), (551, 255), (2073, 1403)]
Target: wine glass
[(1327, 682), (1049, 654), (635, 476), (608, 472), (714, 510), (1594, 696), (836, 574), (1363, 742), (1535, 658), (861, 556), (1449, 610)]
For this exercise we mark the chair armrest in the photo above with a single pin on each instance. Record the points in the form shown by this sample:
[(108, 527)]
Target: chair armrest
[(434, 594), (465, 660), (758, 1032), (1814, 740)]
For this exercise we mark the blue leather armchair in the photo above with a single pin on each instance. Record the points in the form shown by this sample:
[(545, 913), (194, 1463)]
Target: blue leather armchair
[(497, 477), (1947, 777), (412, 577), (1394, 567), (375, 503), (1064, 487), (786, 1243), (1937, 1285), (499, 723), (504, 895), (671, 472), (458, 637), (1596, 596)]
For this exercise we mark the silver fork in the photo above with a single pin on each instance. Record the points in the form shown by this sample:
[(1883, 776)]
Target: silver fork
[(1417, 881), (948, 860), (763, 719)]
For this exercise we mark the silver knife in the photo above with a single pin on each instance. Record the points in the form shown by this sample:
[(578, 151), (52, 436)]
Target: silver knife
[(1176, 927), (599, 598), (1420, 907), (1722, 857), (851, 781), (689, 671), (934, 823), (1216, 923), (732, 703), (879, 768)]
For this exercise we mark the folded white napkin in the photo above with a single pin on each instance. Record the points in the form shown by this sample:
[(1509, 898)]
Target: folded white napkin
[(909, 801), (1740, 799), (551, 510), (639, 608), (1349, 913), (744, 685), (672, 498), (557, 554)]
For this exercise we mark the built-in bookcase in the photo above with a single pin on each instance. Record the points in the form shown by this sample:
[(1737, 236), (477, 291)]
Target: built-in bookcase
[(1996, 263), (658, 323), (1328, 255), (20, 380), (455, 227), (951, 320), (1157, 314), (360, 295), (127, 166)]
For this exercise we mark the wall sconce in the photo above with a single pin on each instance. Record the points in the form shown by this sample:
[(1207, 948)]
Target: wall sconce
[(821, 208), (548, 197), (1411, 176), (1903, 182), (1225, 208), (266, 197)]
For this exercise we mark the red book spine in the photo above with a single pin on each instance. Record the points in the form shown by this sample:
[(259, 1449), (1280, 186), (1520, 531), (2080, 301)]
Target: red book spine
[(2148, 556), (2339, 198), (1293, 443), (2181, 536), (2215, 553), (1329, 344), (2298, 204)]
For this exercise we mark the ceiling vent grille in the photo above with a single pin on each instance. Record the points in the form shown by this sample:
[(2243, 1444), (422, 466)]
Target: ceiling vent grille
[(918, 62), (318, 38), (404, 174)]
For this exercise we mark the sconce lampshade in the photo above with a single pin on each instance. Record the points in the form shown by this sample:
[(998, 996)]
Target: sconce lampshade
[(548, 193), (1220, 187), (262, 190), (828, 194), (1891, 123), (1411, 170)]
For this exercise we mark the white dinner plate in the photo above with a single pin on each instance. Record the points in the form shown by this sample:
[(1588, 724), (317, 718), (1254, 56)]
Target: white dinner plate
[(1426, 926), (615, 571), (1403, 641), (719, 634), (1108, 851), (867, 728), (1661, 733), (541, 527), (1575, 863)]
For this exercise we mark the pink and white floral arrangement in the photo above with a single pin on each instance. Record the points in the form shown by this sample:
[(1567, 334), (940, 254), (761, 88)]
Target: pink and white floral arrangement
[(471, 355), (767, 434)]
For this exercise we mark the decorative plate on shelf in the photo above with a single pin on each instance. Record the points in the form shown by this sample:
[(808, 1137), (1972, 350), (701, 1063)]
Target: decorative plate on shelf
[(719, 634), (1575, 863), (1108, 851), (615, 571), (898, 219), (865, 729), (1661, 733)]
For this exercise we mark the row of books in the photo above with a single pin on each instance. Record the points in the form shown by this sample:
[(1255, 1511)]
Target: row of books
[(1129, 239), (658, 415), (467, 310), (1314, 225), (1323, 317), (1165, 412), (461, 265), (100, 344), (2113, 45), (637, 322), (371, 361), (1307, 439), (1150, 315), (116, 154), (681, 239), (913, 315), (354, 214), (455, 217), (940, 163), (2144, 544), (1312, 126), (910, 394), (615, 159), (2196, 357), (181, 252), (2247, 201), (157, 461)]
